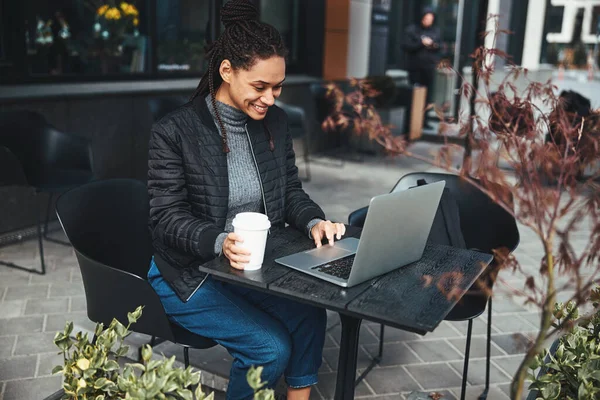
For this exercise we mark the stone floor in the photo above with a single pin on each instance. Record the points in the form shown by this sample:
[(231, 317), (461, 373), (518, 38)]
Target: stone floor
[(33, 308)]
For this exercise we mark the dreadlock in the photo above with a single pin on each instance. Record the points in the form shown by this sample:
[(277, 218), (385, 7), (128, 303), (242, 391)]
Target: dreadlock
[(244, 40)]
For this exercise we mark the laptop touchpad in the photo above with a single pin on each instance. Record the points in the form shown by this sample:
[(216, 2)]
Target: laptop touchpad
[(327, 252)]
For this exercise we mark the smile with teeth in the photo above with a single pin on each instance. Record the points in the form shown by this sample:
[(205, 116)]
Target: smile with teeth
[(259, 108)]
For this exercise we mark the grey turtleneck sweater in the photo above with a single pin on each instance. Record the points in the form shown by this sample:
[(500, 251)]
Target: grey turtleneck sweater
[(244, 182)]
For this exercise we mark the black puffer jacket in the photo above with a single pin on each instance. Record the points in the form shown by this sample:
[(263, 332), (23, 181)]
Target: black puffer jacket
[(189, 188)]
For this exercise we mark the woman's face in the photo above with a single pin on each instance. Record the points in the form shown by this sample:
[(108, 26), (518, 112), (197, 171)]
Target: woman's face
[(253, 90)]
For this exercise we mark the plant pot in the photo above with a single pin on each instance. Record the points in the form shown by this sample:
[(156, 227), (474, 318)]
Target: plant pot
[(56, 395)]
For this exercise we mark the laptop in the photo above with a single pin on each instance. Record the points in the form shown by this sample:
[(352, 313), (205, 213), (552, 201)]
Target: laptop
[(394, 235)]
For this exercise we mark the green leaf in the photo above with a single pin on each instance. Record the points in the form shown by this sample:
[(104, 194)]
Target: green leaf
[(551, 391), (582, 393), (111, 365), (146, 353), (57, 369), (253, 377), (122, 351), (68, 328), (99, 397)]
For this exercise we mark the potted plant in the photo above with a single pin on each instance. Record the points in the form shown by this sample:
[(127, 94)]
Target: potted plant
[(91, 369), (570, 369), (542, 189)]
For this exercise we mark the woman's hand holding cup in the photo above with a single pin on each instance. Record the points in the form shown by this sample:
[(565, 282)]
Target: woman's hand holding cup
[(238, 256)]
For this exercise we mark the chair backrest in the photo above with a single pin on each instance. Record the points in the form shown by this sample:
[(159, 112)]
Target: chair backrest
[(40, 147), (296, 118), (161, 106), (485, 225), (106, 222)]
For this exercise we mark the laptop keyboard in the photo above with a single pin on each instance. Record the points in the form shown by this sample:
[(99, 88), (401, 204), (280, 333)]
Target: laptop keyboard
[(338, 268)]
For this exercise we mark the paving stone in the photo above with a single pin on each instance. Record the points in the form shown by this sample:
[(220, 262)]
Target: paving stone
[(434, 376), (10, 279), (27, 292), (479, 326), (6, 346), (56, 322), (445, 395), (46, 306), (392, 334), (505, 389), (393, 354), (388, 380), (478, 347), (434, 350), (515, 343), (330, 341), (473, 392), (16, 326), (47, 362), (509, 364), (366, 336), (17, 367), (53, 274), (477, 372), (36, 343), (507, 305), (38, 388), (327, 382), (331, 356), (63, 289), (512, 323), (78, 303), (11, 309), (444, 330)]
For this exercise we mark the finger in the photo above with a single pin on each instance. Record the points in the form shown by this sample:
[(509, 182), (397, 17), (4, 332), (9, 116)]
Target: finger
[(237, 266), (234, 237), (316, 234), (340, 230), (240, 259), (239, 250), (329, 232)]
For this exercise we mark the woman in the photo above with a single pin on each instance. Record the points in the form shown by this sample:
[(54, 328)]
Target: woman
[(225, 152)]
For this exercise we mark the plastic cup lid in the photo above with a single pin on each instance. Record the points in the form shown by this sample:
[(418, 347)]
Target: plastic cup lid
[(251, 221)]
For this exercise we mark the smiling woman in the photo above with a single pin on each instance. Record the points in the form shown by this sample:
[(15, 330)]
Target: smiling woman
[(226, 152)]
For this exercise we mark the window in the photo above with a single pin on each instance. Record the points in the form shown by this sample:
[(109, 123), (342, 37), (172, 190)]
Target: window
[(284, 15), (86, 37), (182, 27)]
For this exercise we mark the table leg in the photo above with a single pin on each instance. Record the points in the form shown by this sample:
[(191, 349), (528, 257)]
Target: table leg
[(344, 388)]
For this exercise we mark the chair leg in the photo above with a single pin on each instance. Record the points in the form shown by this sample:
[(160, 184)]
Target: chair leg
[(186, 356), (45, 234), (466, 366), (483, 395), (376, 360), (42, 271)]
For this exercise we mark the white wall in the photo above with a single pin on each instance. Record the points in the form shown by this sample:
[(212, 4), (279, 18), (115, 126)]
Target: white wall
[(534, 32), (359, 36)]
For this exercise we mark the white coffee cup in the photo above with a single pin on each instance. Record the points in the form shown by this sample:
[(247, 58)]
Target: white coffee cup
[(253, 228)]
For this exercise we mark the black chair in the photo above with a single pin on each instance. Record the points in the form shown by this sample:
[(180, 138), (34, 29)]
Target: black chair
[(499, 230), (107, 223), (51, 162), (298, 129)]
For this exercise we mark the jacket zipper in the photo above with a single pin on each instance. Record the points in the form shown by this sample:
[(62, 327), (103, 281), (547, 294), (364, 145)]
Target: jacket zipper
[(262, 189)]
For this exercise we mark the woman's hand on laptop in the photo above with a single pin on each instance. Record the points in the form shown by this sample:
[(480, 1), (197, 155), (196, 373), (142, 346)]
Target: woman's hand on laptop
[(238, 256), (329, 230)]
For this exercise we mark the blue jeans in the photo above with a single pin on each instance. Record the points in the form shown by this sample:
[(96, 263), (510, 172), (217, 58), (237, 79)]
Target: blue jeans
[(283, 336)]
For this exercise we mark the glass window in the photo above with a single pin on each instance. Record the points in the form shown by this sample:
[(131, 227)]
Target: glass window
[(285, 16), (182, 27), (86, 37)]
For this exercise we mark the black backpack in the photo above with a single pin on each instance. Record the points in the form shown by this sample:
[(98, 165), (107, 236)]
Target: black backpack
[(446, 223)]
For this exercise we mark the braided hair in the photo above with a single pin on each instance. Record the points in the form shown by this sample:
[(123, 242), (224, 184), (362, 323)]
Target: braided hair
[(244, 40)]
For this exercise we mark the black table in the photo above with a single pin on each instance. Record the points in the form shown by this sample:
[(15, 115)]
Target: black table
[(414, 298)]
